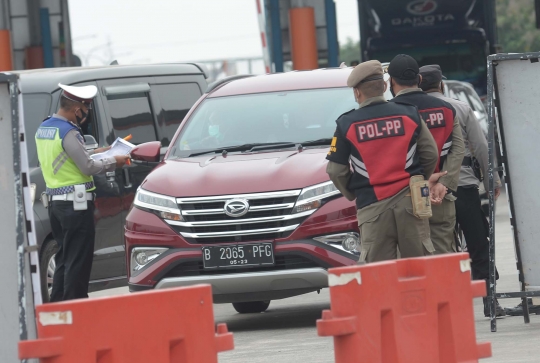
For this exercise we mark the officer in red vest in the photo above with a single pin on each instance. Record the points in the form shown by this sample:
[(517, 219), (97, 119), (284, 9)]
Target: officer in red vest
[(386, 144), (443, 123)]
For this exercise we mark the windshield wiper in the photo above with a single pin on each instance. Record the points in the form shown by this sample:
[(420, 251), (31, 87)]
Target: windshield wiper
[(223, 150), (325, 141), (273, 145), (244, 147)]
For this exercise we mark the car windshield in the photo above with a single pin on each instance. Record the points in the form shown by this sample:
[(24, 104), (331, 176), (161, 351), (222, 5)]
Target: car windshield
[(265, 118)]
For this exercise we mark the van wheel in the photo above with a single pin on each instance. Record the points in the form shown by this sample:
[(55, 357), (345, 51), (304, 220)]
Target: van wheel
[(47, 266), (251, 307)]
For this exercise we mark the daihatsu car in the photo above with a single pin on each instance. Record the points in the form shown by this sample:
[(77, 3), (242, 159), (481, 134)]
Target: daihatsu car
[(242, 200)]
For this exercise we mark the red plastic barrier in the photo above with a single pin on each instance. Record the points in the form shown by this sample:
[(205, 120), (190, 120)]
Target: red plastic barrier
[(165, 326), (405, 311)]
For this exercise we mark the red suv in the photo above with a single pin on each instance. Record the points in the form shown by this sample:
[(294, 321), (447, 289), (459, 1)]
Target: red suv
[(242, 200)]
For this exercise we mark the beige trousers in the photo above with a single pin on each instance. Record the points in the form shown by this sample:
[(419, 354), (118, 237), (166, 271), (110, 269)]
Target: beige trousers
[(395, 228), (442, 224)]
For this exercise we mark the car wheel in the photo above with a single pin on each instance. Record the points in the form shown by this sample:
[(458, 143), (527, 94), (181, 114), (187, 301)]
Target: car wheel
[(47, 266), (251, 307)]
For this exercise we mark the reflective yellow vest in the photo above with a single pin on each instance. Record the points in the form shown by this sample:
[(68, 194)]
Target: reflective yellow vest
[(57, 167)]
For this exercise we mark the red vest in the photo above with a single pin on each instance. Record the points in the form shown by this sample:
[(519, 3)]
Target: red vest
[(439, 117), (379, 141), (384, 144)]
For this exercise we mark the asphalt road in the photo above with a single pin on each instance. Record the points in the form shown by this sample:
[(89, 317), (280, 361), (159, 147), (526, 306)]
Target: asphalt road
[(287, 331)]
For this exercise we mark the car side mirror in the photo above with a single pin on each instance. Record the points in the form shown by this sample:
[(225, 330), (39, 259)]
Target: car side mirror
[(148, 152), (90, 142)]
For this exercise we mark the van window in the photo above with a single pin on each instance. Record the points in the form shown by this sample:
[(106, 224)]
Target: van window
[(175, 101), (90, 125), (132, 115), (35, 108), (459, 94)]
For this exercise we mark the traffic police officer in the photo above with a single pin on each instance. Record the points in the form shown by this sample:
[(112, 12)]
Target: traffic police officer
[(443, 123), (67, 169), (386, 144), (469, 214)]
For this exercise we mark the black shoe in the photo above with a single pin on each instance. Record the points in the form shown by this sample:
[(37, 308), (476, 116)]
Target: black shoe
[(499, 312), (518, 309)]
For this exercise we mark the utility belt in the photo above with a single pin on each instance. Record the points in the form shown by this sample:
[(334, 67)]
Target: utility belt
[(473, 163), (79, 197)]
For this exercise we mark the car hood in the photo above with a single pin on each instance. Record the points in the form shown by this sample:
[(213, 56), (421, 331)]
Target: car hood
[(238, 173)]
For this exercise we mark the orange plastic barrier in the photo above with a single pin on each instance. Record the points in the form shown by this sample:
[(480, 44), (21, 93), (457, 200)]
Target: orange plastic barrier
[(407, 311), (6, 62), (163, 326), (303, 38)]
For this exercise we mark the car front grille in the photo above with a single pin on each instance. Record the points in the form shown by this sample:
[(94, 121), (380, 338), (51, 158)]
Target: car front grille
[(282, 262), (269, 216)]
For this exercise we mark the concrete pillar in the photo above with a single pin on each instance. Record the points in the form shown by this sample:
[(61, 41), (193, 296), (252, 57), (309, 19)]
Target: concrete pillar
[(6, 59), (303, 38)]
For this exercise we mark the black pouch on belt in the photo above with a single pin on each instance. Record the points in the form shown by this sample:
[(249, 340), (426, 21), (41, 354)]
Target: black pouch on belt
[(476, 169), (473, 163)]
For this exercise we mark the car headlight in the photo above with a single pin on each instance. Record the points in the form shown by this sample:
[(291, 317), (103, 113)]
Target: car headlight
[(312, 197), (142, 256), (165, 206)]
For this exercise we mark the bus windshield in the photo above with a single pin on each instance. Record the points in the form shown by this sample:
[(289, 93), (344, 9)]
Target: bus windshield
[(459, 61)]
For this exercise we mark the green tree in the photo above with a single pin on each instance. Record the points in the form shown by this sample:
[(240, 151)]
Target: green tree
[(349, 52), (516, 26)]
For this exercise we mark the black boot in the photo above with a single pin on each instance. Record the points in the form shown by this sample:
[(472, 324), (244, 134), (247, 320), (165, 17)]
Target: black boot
[(499, 311), (518, 309)]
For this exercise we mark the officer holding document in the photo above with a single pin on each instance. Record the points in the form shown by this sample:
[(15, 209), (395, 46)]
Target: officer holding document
[(67, 168)]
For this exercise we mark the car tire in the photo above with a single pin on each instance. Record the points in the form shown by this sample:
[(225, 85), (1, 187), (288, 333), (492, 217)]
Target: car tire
[(251, 307), (47, 265)]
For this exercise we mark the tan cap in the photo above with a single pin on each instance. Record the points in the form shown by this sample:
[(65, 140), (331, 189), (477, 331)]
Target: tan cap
[(365, 72)]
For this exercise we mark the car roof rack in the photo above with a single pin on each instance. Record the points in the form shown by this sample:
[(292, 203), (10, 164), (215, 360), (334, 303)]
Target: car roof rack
[(202, 68), (216, 84)]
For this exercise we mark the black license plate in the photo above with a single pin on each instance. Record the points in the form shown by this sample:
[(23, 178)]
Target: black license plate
[(255, 254)]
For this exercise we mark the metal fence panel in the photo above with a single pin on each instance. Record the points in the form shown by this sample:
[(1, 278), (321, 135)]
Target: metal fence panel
[(520, 121)]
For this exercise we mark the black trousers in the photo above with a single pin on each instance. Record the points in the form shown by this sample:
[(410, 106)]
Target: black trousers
[(475, 227), (74, 232)]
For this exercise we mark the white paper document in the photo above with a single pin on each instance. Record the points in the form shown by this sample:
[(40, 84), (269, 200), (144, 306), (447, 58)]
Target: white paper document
[(118, 147)]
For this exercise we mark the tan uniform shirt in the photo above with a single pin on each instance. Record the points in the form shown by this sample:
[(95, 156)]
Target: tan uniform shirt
[(475, 142), (340, 174)]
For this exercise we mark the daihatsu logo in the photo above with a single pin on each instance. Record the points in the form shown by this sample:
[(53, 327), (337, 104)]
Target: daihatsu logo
[(236, 207)]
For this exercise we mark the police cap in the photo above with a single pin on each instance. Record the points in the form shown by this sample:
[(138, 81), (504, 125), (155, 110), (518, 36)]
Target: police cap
[(403, 67), (431, 75), (84, 94), (365, 72)]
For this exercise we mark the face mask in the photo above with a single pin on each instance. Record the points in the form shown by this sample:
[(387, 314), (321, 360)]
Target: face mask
[(213, 130), (81, 119)]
